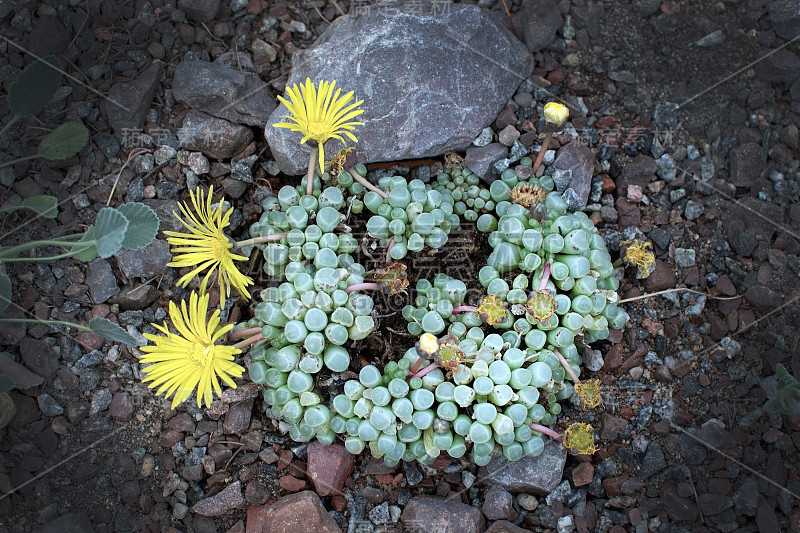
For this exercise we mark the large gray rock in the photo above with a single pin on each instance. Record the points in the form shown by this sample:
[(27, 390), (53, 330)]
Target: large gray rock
[(221, 91), (536, 475), (779, 66), (127, 103), (431, 80), (215, 137)]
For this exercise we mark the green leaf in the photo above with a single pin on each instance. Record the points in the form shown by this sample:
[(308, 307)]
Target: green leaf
[(142, 225), (109, 230), (42, 204), (5, 292), (6, 383), (110, 331), (90, 252), (34, 86), (65, 141)]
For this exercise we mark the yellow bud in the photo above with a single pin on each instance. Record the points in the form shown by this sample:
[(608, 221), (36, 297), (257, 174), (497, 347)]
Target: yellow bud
[(428, 343), (555, 113)]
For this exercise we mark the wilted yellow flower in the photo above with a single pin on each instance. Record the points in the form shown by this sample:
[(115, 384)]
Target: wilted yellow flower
[(579, 440), (206, 246), (589, 392), (555, 113), (320, 115), (190, 358), (492, 310), (637, 254)]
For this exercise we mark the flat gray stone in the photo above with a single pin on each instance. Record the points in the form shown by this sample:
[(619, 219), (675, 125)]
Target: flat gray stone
[(431, 80), (101, 281), (77, 522), (215, 137), (228, 499), (538, 21), (579, 159), (128, 103), (200, 10), (23, 378), (147, 262), (481, 160), (535, 475), (223, 92), (784, 15), (431, 513)]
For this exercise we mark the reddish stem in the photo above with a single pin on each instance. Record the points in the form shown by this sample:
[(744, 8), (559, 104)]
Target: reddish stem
[(363, 181), (547, 431), (566, 365), (415, 367), (247, 342), (545, 277), (389, 250), (366, 286), (243, 333), (465, 309), (425, 371), (545, 144)]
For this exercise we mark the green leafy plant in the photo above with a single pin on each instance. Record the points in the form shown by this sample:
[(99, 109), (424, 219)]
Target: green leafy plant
[(42, 205), (29, 93), (787, 399), (132, 226)]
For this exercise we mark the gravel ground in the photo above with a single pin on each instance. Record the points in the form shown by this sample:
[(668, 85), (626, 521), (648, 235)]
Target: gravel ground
[(695, 135)]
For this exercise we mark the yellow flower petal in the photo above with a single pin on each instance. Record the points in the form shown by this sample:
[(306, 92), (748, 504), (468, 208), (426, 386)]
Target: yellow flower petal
[(320, 114), (207, 247), (188, 360)]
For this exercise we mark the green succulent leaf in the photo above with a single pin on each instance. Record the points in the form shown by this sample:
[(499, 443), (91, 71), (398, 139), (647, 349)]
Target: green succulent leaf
[(142, 225), (109, 230), (6, 383), (90, 252), (34, 86), (65, 141), (5, 292), (110, 331)]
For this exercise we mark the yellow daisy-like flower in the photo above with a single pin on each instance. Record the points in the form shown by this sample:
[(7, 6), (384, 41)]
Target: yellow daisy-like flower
[(206, 246), (320, 115), (555, 113), (190, 358)]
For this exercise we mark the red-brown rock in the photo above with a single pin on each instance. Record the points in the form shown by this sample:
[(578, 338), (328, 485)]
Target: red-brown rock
[(429, 513), (582, 474), (292, 484), (299, 513), (328, 467)]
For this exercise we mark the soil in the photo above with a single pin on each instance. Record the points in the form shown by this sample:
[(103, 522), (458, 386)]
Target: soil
[(668, 378)]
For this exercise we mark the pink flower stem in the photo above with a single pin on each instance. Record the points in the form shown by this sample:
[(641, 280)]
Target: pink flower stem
[(389, 251), (547, 431), (415, 367), (566, 365), (247, 342), (259, 240), (363, 181), (545, 144), (545, 277), (312, 162), (243, 333), (425, 371), (366, 286), (465, 309)]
